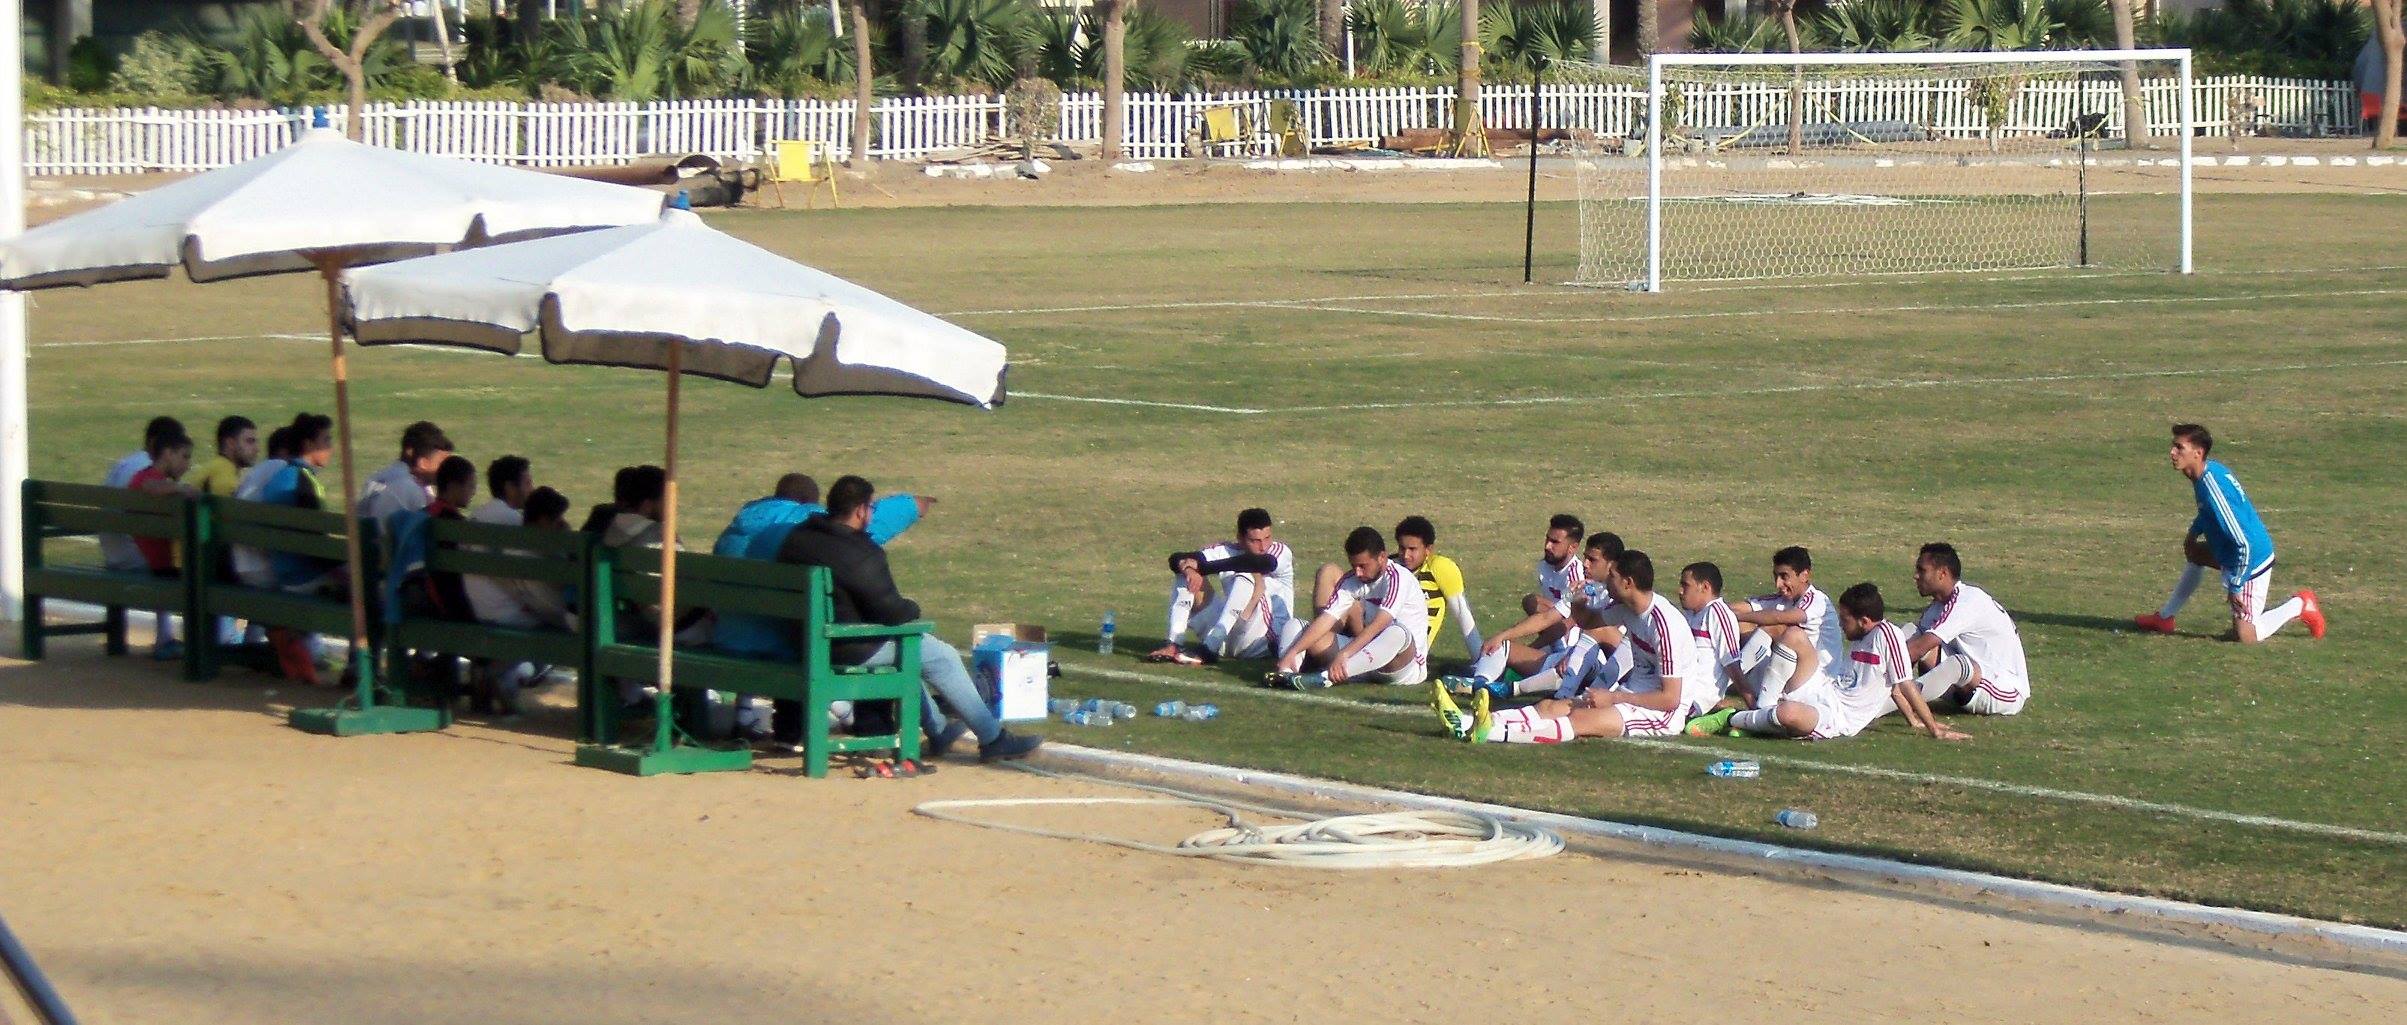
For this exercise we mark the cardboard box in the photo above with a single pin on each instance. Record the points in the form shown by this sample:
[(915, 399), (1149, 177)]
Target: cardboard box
[(1009, 661)]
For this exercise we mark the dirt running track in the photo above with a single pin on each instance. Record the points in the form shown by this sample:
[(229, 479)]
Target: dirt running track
[(173, 854)]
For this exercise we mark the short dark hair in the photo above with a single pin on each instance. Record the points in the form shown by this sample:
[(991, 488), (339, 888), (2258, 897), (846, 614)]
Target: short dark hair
[(636, 485), (455, 470), (1794, 557), (1863, 601), (167, 442), (1607, 542), (1705, 573), (798, 487), (1416, 526), (1252, 519), (1942, 555), (850, 492), (503, 472), (280, 443), (160, 426), (1365, 541), (546, 504), (1635, 567), (2196, 435), (233, 426), (423, 437), (1568, 524), (307, 426)]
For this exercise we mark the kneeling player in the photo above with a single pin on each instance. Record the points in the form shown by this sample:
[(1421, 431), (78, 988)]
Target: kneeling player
[(1879, 680), (1393, 644), (1651, 701), (2227, 535), (1255, 602)]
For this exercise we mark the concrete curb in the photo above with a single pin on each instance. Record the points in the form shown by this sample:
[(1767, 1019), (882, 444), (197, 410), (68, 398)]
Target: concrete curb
[(2386, 944)]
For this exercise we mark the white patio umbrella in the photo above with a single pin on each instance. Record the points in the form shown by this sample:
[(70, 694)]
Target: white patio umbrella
[(326, 203), (679, 296)]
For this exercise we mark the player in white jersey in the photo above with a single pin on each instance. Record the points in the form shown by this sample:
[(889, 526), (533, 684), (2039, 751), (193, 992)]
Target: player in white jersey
[(1651, 701), (1878, 679), (1393, 644), (1792, 636), (1713, 626), (1556, 628), (1967, 644), (1251, 610)]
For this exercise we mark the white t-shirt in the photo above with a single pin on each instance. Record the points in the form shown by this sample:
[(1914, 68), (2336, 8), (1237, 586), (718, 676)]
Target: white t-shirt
[(1876, 664), (497, 512), (1715, 630), (1396, 592), (393, 489), (1278, 585), (1560, 585), (117, 551), (1821, 623), (1662, 648), (1971, 623)]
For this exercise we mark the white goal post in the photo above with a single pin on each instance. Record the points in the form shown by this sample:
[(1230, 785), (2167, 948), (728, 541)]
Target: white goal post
[(1762, 165)]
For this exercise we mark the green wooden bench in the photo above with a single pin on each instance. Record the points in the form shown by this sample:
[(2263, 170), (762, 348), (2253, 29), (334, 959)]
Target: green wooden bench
[(374, 706), (551, 558), (53, 510), (804, 594)]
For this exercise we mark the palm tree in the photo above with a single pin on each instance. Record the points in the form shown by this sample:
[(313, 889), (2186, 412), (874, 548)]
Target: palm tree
[(1788, 26), (863, 97), (1650, 27), (1333, 25), (2135, 113), (1466, 90), (2394, 51), (1115, 75)]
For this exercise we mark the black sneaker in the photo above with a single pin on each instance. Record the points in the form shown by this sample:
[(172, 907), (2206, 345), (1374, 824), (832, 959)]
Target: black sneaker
[(943, 741), (1008, 747)]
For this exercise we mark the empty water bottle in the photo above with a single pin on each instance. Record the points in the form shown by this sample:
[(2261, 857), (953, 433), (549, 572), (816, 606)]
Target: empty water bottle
[(1061, 706), (1170, 709), (1201, 713), (1096, 705), (1123, 710), (1082, 717), (1735, 769), (1103, 638), (1796, 818)]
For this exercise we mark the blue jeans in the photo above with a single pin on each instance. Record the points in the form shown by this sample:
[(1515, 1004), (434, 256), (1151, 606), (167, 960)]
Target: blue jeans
[(942, 674)]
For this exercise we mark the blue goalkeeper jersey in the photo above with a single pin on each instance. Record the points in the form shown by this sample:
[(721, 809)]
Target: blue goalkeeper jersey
[(2230, 525)]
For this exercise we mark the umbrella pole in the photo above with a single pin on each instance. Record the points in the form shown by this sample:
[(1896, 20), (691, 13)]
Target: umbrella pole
[(668, 557), (365, 715)]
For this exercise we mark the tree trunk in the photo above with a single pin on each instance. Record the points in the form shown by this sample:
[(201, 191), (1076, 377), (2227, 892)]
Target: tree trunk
[(1115, 76), (1788, 24), (1333, 27), (1466, 86), (915, 51), (863, 97), (310, 15), (2135, 106), (451, 72), (530, 21), (688, 12), (2394, 54), (1650, 27)]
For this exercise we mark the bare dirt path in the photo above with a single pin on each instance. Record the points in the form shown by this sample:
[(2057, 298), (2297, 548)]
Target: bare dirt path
[(174, 854)]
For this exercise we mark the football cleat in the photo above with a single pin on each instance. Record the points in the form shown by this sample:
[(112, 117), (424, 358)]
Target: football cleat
[(1711, 722), (2153, 623), (1483, 717), (1451, 716), (2311, 614)]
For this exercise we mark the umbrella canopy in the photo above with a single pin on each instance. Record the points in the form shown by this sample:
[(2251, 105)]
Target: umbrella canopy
[(624, 296), (323, 193)]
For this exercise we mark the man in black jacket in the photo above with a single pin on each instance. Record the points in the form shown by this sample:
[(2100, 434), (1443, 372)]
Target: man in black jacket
[(865, 593)]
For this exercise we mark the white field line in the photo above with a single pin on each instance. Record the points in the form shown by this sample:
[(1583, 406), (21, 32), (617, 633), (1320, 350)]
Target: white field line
[(1873, 771), (174, 341), (1551, 400), (1641, 318)]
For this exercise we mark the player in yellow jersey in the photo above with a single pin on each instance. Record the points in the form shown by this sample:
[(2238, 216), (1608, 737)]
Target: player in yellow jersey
[(1441, 581)]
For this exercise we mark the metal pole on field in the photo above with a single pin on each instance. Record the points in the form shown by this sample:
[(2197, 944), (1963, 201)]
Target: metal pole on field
[(1529, 226), (1654, 173), (2189, 116), (13, 464)]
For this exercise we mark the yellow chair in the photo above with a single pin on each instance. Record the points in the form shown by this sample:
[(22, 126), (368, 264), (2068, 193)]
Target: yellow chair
[(1224, 126), (1287, 123), (804, 163)]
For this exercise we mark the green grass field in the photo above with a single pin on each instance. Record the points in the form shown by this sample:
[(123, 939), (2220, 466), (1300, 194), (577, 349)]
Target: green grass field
[(1344, 365)]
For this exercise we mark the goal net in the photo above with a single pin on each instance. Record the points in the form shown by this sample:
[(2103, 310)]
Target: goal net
[(1723, 166)]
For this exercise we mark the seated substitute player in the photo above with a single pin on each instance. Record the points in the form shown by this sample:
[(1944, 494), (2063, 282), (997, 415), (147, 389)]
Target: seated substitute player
[(2227, 535), (1790, 637), (1393, 644), (1557, 636), (1713, 626), (1651, 701), (1966, 643), (1441, 581), (1256, 596), (1878, 680)]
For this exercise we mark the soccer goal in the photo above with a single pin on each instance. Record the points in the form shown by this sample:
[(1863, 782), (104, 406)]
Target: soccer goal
[(1777, 165)]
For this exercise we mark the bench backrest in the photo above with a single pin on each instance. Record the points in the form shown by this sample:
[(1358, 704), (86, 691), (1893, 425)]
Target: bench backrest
[(283, 529), (58, 509), (556, 557), (780, 590)]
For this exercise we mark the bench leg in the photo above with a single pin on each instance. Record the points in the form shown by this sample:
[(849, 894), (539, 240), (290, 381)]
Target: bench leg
[(815, 739), (115, 618), (907, 728), (32, 628)]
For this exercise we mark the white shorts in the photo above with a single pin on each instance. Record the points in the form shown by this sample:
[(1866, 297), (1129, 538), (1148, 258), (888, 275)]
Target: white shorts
[(1990, 697), (1637, 721), (2252, 593), (1832, 718), (1369, 664), (1987, 697)]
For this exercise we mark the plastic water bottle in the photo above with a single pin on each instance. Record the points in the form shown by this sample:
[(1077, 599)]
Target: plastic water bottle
[(1103, 638), (1200, 713), (1082, 717), (1796, 818), (1096, 705), (1123, 710), (1170, 710), (1061, 706), (1734, 769)]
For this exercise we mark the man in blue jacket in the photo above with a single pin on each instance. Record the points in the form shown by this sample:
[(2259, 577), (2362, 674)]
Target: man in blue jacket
[(759, 529), (2227, 535)]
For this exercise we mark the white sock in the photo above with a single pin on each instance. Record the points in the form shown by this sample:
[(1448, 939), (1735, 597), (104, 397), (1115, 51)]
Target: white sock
[(1522, 716), (1539, 731), (2279, 616), (1182, 605), (1762, 721), (1490, 664), (2191, 574)]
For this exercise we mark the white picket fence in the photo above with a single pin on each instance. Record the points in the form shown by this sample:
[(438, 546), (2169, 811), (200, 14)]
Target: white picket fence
[(127, 140)]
